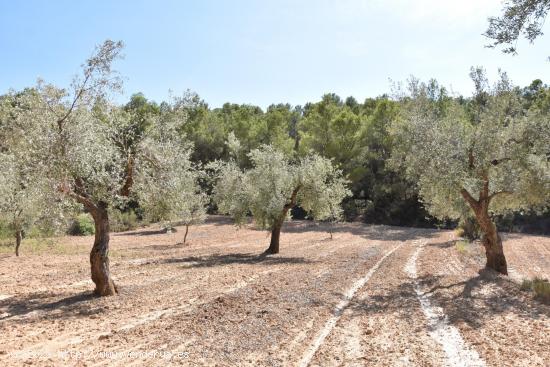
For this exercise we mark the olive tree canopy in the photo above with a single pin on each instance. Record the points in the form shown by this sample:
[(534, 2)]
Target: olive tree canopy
[(167, 183), (490, 155), (274, 185), (25, 194), (22, 198), (92, 151), (519, 18)]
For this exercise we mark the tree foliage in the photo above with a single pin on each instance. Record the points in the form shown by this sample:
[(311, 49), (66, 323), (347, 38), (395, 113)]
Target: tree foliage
[(21, 196), (467, 157), (90, 150), (446, 152), (275, 184), (24, 192), (167, 183), (519, 18), (494, 160)]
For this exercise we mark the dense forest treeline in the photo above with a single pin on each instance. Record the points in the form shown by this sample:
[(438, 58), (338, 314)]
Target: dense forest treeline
[(355, 135)]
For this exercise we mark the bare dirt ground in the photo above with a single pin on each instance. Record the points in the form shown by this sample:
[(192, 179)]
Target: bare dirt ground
[(372, 296)]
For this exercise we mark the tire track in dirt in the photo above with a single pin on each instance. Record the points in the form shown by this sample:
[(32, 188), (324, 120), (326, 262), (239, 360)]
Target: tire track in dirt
[(381, 325), (339, 309), (352, 342), (72, 339), (292, 248), (457, 351), (53, 346), (506, 325), (297, 332)]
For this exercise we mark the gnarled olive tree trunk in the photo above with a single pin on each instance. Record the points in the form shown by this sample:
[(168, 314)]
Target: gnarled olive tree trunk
[(99, 256), (490, 239), (492, 242), (276, 229), (18, 238), (275, 237), (186, 232)]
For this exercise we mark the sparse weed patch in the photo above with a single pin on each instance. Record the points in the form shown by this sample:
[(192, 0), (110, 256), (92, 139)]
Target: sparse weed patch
[(463, 247), (43, 245), (33, 246), (540, 287), (526, 285)]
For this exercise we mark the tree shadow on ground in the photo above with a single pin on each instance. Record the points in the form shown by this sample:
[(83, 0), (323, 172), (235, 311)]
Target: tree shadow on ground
[(155, 247), (76, 304), (442, 245), (474, 301), (144, 232), (367, 231), (218, 220), (485, 295), (230, 259)]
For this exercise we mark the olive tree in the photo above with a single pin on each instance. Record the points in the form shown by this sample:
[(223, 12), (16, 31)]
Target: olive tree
[(24, 194), (75, 147), (21, 198), (336, 213), (167, 184), (87, 151), (274, 185), (492, 157), (17, 203)]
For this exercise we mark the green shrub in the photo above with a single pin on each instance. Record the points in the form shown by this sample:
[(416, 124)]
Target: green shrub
[(540, 287), (468, 228), (82, 225), (123, 221)]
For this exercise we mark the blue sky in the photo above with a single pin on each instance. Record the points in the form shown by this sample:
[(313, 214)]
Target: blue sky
[(260, 52)]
